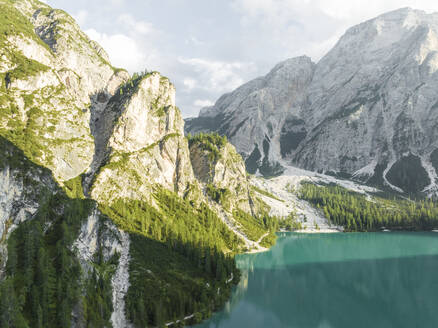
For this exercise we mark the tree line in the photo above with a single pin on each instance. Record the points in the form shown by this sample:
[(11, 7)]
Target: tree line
[(44, 277), (358, 212)]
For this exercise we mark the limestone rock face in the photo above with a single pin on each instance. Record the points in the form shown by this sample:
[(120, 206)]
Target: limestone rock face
[(149, 116), (51, 74), (73, 51), (146, 145), (372, 100), (101, 235), (225, 172), (252, 115), (368, 105), (18, 198)]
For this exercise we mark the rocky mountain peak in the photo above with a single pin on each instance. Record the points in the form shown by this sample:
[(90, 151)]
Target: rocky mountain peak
[(148, 116), (367, 104), (288, 68), (251, 115)]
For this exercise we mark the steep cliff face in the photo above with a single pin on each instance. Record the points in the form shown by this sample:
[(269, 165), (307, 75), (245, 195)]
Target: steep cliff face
[(224, 182), (22, 187), (218, 166), (252, 115), (371, 103), (50, 76), (99, 237), (47, 233), (143, 150), (367, 109), (145, 143)]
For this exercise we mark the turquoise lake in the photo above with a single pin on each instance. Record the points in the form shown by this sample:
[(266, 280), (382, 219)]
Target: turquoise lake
[(341, 280)]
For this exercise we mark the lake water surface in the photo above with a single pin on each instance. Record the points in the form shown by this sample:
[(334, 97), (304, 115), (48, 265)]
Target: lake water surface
[(342, 280)]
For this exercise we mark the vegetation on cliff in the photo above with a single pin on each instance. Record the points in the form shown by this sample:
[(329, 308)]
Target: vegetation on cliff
[(44, 279), (189, 258), (211, 142)]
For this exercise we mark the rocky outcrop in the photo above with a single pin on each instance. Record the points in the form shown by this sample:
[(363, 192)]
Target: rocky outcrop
[(145, 146), (120, 284), (100, 235), (223, 169), (225, 186), (368, 105), (97, 234), (22, 185)]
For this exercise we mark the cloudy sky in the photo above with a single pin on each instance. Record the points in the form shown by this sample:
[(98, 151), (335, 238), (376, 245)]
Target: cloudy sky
[(209, 47)]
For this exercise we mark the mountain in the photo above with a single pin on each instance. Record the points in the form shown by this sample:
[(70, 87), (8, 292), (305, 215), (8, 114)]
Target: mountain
[(109, 215), (251, 115), (366, 110)]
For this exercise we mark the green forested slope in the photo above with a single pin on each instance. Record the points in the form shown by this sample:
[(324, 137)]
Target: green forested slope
[(44, 280), (357, 212), (176, 251)]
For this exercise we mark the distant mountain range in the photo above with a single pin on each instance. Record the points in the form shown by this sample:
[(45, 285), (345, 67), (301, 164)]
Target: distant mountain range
[(367, 110)]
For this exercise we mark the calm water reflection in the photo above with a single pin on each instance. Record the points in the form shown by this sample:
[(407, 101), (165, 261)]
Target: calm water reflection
[(338, 280)]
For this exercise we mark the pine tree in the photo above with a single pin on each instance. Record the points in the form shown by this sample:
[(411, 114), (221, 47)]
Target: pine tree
[(11, 265)]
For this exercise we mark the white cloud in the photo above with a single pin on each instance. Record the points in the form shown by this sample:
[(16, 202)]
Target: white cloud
[(217, 75), (137, 26), (136, 45), (81, 17), (203, 103), (357, 10), (117, 2), (122, 50), (192, 40), (294, 26), (189, 83), (361, 10), (312, 27)]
